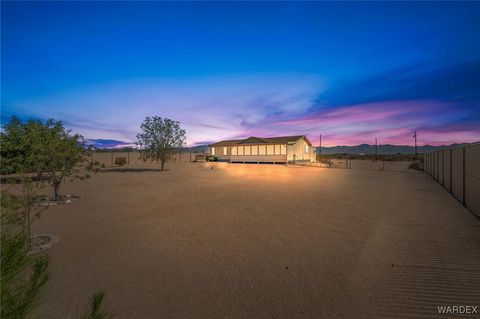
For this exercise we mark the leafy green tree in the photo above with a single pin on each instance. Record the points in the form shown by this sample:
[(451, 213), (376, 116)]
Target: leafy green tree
[(159, 139), (29, 152), (63, 156), (20, 155), (22, 275), (20, 151), (46, 149)]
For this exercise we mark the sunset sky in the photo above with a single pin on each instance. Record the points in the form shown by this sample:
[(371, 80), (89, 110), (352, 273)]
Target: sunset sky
[(352, 72)]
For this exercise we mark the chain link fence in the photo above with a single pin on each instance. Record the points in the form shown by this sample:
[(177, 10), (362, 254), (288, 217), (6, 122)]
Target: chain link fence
[(458, 170)]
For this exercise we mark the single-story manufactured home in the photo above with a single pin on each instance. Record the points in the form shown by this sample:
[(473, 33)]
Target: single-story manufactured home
[(283, 149)]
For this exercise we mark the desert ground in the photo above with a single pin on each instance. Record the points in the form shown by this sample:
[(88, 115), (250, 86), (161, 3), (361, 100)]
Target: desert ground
[(261, 241)]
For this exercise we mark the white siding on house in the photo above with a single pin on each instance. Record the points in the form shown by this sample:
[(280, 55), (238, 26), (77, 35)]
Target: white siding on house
[(277, 149), (300, 151), (259, 153), (270, 150), (260, 158), (262, 150), (254, 151)]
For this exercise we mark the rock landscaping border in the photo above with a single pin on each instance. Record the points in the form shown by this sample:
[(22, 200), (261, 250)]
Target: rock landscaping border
[(41, 242), (46, 201)]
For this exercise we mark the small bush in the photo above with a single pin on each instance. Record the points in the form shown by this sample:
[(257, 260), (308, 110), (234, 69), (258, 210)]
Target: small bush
[(416, 165), (96, 309), (326, 161), (211, 158), (120, 161)]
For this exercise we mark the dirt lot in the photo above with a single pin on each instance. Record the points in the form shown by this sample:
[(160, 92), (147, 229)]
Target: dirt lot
[(261, 241)]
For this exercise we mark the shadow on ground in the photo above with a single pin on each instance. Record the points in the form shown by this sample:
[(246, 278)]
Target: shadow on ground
[(132, 170)]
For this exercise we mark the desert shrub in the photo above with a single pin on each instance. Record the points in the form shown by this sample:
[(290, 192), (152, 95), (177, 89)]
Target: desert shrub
[(199, 157), (96, 310), (416, 165), (120, 161), (326, 161), (211, 158)]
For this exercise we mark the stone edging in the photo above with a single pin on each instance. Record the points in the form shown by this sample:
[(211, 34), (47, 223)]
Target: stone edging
[(40, 248)]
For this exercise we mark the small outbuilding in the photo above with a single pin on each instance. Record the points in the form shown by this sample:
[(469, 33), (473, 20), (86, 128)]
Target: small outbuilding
[(282, 149)]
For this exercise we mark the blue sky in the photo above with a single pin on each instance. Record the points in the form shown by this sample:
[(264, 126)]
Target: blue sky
[(349, 71)]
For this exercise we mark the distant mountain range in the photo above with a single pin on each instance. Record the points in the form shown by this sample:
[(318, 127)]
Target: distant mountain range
[(383, 149), (356, 149), (103, 143), (199, 149)]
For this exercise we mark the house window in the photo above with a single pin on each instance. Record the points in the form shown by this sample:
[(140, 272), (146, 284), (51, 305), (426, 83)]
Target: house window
[(277, 149), (247, 150), (261, 150), (240, 150), (225, 151), (306, 149), (254, 150), (234, 150), (213, 150), (283, 149), (270, 150)]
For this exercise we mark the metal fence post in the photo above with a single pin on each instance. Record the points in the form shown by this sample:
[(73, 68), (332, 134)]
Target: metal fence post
[(427, 160), (438, 166), (433, 163), (429, 164), (463, 175), (443, 167), (451, 166)]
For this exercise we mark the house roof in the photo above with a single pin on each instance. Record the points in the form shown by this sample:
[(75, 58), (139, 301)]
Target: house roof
[(262, 140)]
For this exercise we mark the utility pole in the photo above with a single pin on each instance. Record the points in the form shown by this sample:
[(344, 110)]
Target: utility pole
[(376, 150), (415, 137), (320, 148)]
